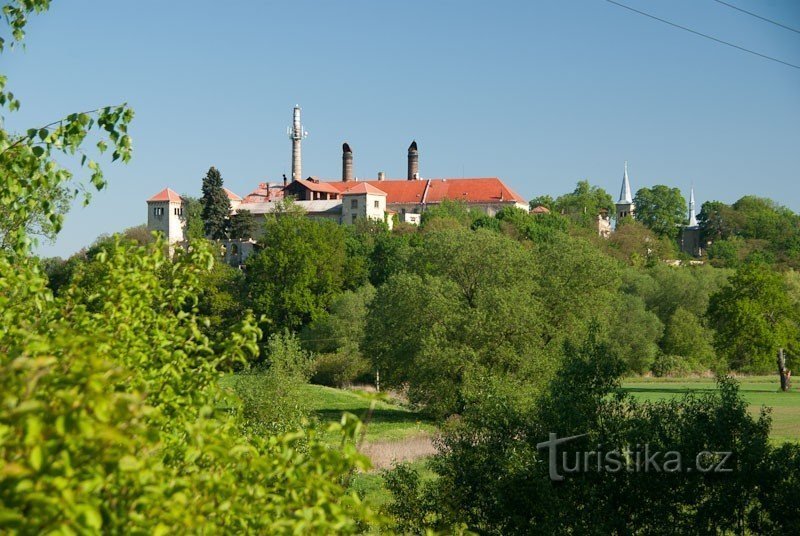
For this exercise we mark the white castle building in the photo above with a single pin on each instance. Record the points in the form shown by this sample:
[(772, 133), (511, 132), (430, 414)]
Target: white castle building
[(348, 198)]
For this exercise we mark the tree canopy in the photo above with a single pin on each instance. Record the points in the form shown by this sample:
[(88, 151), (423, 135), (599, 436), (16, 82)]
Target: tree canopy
[(216, 205)]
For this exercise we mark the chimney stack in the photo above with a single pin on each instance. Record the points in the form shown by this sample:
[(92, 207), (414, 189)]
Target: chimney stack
[(381, 176), (296, 134), (347, 163), (413, 161)]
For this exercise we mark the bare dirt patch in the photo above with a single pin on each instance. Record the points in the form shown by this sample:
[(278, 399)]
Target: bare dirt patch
[(384, 454)]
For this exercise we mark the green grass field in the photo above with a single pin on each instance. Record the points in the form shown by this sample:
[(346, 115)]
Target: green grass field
[(757, 390), (388, 422)]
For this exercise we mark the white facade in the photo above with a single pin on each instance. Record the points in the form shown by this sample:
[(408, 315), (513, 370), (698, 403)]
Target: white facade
[(167, 217), (363, 205)]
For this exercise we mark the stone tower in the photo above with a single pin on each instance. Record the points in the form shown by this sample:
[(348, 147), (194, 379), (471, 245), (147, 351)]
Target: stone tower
[(165, 215), (625, 206), (690, 235)]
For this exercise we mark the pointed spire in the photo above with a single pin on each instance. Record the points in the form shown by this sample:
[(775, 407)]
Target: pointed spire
[(692, 216), (625, 192)]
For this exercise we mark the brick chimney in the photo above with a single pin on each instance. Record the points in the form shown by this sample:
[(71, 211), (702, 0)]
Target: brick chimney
[(347, 163), (413, 161)]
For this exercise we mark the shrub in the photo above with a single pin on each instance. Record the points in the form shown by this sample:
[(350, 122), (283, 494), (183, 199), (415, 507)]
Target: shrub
[(341, 368)]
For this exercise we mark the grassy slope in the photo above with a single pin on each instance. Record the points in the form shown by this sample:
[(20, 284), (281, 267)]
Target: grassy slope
[(389, 422), (757, 390)]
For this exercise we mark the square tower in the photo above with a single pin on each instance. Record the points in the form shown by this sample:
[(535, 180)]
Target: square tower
[(165, 214)]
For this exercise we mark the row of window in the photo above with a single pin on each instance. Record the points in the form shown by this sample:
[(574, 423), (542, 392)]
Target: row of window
[(354, 203), (159, 211)]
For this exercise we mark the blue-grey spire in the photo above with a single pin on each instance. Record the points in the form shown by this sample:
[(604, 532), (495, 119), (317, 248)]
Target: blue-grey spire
[(692, 216), (625, 193)]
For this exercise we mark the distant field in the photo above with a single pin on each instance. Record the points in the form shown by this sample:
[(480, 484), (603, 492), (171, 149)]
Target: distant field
[(757, 390), (389, 422)]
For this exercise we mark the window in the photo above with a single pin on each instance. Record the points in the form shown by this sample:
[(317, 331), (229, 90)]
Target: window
[(354, 203), (158, 211), (353, 218), (377, 204), (178, 211)]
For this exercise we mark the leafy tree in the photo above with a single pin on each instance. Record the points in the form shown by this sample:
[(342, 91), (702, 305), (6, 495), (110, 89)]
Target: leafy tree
[(454, 213), (193, 212), (336, 339), (753, 317), (243, 225), (297, 272), (634, 333), (661, 209), (546, 201), (636, 244), (584, 204), (113, 418), (36, 189), (456, 318), (492, 477), (686, 336), (216, 205)]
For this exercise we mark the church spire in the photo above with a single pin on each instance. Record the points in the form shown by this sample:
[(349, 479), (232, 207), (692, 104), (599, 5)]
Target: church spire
[(625, 191), (692, 216)]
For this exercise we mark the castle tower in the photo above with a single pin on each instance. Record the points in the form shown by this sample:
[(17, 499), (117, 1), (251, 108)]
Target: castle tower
[(297, 135), (347, 163), (625, 206), (692, 216), (413, 161), (165, 215), (690, 235)]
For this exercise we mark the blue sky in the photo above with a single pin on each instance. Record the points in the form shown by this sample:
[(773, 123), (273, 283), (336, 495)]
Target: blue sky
[(538, 93)]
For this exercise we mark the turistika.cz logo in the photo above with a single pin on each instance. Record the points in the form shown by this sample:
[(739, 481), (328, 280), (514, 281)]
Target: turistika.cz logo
[(642, 459)]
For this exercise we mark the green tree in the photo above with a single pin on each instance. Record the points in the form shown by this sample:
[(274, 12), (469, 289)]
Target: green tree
[(36, 189), (753, 317), (297, 272), (243, 225), (456, 319), (661, 209), (216, 206), (112, 414), (193, 212), (685, 336), (584, 204)]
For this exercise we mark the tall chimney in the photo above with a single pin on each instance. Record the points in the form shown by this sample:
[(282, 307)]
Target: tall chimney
[(413, 161), (381, 176), (347, 163), (297, 134)]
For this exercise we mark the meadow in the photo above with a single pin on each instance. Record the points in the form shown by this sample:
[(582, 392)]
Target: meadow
[(757, 390)]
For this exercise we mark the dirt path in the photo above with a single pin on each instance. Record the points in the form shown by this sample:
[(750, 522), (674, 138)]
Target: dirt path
[(384, 454)]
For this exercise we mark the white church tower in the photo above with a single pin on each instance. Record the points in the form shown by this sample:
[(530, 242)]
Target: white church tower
[(165, 214), (625, 206)]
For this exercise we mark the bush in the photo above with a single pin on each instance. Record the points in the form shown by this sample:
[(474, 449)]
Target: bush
[(670, 365), (341, 368)]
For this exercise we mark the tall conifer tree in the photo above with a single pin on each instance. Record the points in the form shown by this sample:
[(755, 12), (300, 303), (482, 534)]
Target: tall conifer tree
[(216, 205)]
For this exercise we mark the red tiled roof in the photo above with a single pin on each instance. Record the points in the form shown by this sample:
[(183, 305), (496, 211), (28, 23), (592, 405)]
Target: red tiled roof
[(477, 190), (232, 196), (540, 209), (262, 194), (364, 188), (167, 194), (319, 186), (397, 191)]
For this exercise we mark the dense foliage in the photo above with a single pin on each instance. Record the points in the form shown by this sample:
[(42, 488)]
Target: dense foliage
[(216, 205)]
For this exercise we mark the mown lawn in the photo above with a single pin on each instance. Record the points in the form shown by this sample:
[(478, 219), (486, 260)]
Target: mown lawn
[(757, 390), (388, 421)]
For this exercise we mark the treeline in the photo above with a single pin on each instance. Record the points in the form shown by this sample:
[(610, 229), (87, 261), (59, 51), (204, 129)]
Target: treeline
[(532, 280)]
